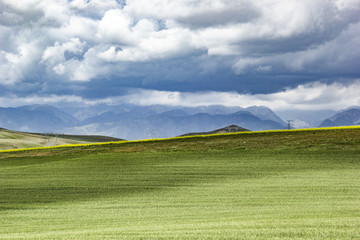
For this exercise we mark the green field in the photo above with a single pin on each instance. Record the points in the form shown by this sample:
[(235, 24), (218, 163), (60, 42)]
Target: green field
[(274, 185)]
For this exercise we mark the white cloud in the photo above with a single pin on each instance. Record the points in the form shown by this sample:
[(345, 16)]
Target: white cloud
[(14, 66), (80, 27), (133, 41), (59, 69), (157, 45), (89, 67), (314, 96), (15, 101), (36, 13), (114, 27), (347, 4), (55, 58), (57, 52), (99, 5)]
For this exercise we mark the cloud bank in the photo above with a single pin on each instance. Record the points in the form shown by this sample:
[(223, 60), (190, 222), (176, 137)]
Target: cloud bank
[(94, 49), (314, 96)]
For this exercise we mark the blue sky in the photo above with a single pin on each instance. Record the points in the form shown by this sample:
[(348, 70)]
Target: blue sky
[(283, 54)]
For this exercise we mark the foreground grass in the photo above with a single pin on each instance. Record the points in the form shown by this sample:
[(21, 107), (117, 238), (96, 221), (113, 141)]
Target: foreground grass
[(259, 186)]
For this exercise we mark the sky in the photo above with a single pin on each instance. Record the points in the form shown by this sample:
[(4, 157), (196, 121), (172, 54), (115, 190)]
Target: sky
[(283, 54)]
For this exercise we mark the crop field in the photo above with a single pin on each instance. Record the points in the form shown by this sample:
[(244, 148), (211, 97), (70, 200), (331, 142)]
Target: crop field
[(264, 185)]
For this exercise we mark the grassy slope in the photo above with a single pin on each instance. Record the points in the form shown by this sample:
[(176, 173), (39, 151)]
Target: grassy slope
[(287, 185), (13, 139)]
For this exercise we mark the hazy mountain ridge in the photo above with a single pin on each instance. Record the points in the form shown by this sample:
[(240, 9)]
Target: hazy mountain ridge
[(137, 122), (47, 109), (305, 118), (347, 117), (35, 118)]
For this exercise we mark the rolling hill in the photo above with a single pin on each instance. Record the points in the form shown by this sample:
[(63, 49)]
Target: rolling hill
[(13, 139), (256, 185), (228, 129)]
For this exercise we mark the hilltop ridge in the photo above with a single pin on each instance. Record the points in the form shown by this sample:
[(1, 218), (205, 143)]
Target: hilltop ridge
[(228, 129)]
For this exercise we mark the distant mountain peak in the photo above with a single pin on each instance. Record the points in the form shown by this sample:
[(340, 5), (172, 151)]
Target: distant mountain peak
[(347, 117), (264, 113)]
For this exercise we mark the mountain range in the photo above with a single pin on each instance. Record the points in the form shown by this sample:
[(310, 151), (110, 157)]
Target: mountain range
[(35, 118), (136, 122), (347, 117), (132, 122)]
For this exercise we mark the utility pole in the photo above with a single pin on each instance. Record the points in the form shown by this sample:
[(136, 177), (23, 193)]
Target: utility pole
[(153, 133), (289, 123)]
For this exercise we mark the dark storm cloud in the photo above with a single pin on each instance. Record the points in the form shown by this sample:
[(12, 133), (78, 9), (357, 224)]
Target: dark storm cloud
[(234, 13)]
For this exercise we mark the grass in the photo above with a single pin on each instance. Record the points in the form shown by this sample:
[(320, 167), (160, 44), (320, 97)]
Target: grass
[(274, 185)]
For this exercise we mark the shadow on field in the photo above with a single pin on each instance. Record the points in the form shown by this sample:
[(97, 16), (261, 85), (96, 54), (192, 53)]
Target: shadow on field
[(27, 182)]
